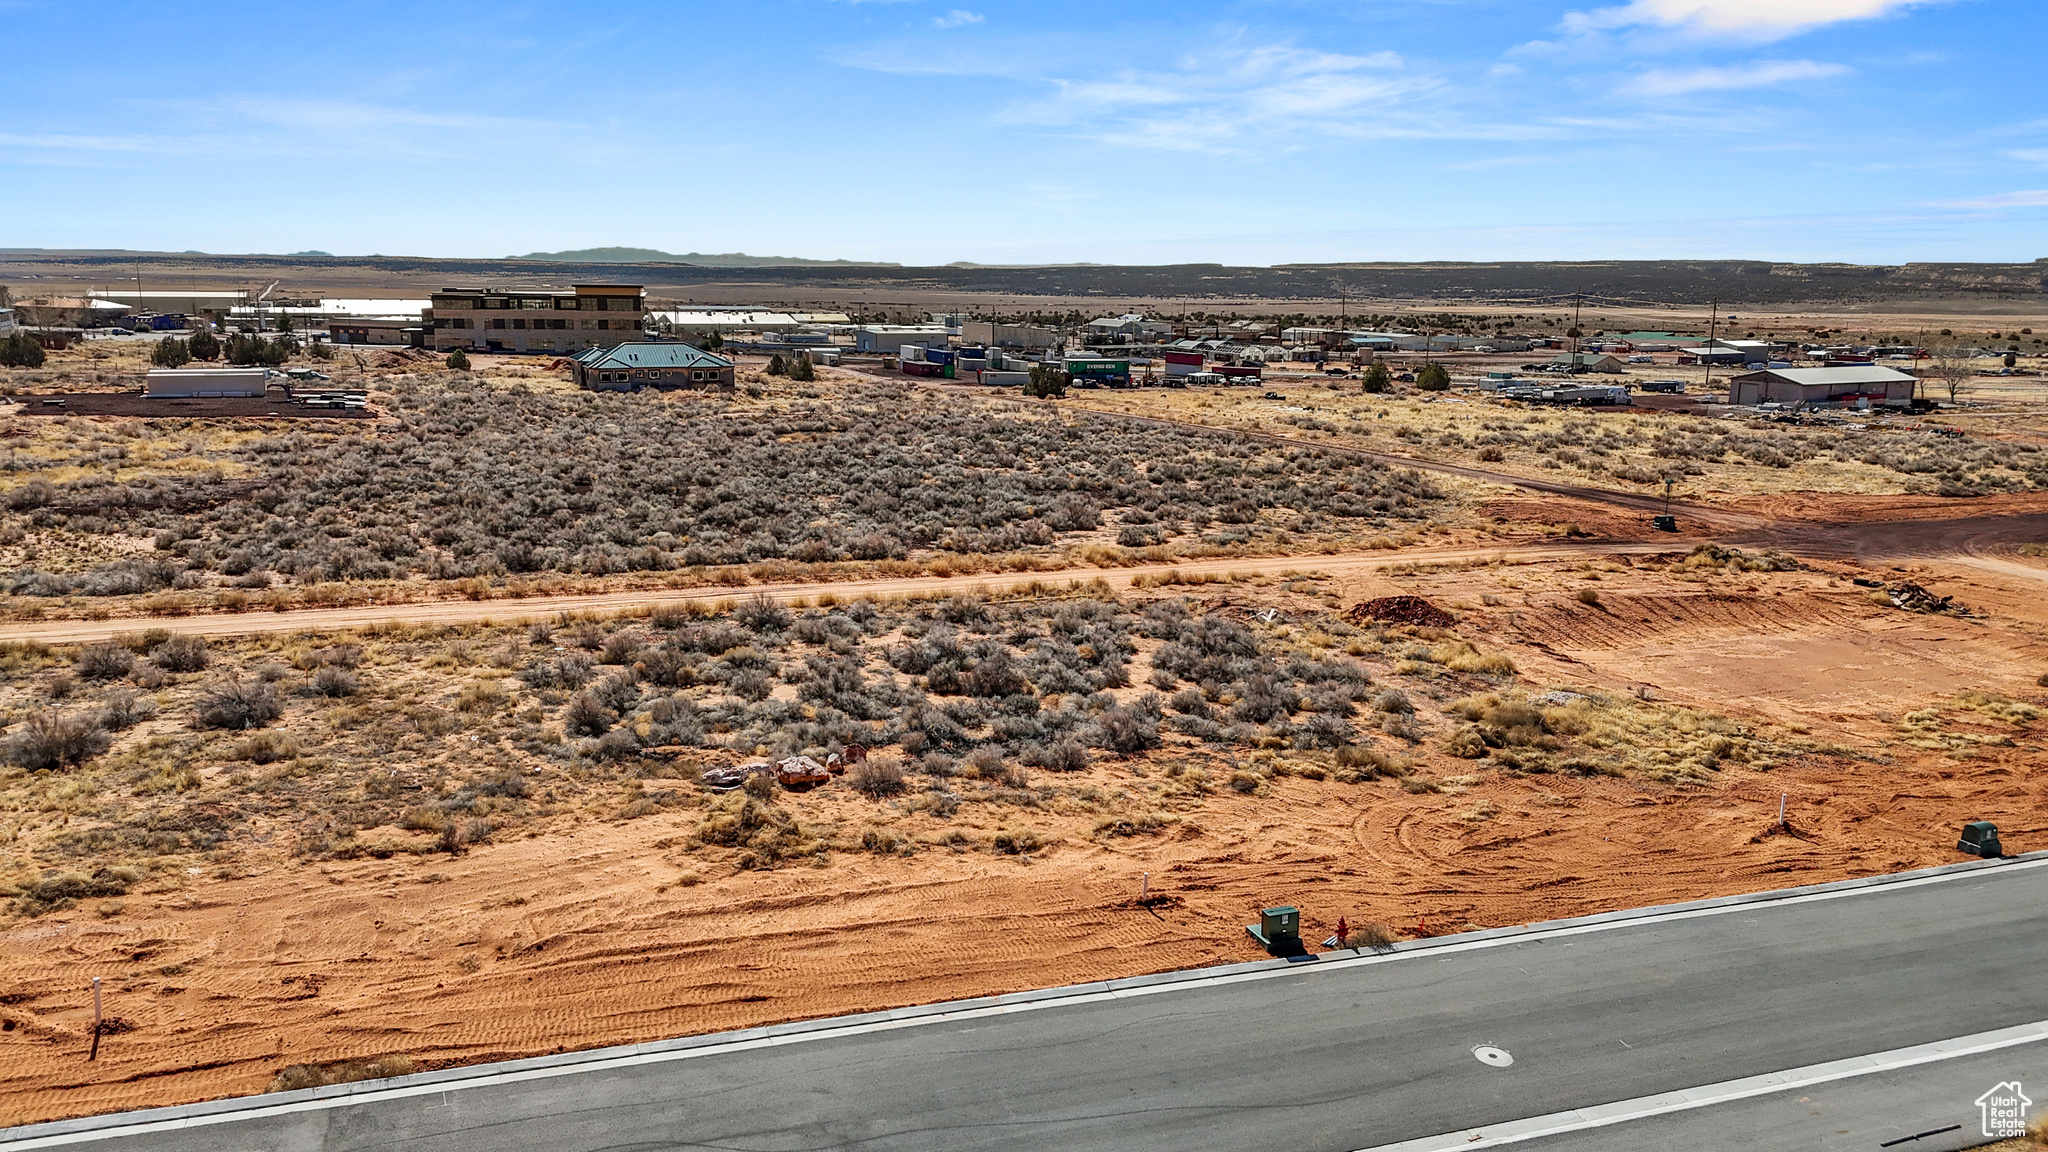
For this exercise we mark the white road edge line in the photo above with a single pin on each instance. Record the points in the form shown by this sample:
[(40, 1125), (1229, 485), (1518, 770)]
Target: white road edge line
[(1686, 1099), (258, 1109)]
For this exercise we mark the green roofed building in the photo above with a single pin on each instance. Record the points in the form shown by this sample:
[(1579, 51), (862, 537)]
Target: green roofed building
[(631, 367)]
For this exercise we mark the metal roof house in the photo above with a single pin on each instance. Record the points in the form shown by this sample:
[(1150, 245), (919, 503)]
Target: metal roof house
[(1727, 352), (1589, 361), (632, 367), (1847, 385)]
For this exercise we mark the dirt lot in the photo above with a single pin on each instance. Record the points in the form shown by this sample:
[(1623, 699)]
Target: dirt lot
[(598, 912), (437, 815), (135, 404)]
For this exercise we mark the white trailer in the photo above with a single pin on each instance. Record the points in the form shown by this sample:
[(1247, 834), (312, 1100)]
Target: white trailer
[(194, 383)]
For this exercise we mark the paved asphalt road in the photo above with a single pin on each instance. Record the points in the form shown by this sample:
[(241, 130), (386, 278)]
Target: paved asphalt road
[(1934, 1102), (1333, 1055)]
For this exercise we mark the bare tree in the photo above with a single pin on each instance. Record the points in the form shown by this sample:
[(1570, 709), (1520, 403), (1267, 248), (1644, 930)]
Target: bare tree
[(1949, 366)]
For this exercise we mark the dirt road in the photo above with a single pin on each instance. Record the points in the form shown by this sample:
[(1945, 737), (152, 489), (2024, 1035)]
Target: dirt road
[(1342, 565)]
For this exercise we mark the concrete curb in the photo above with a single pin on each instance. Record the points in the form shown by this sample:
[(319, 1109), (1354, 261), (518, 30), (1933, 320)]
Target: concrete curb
[(175, 1115)]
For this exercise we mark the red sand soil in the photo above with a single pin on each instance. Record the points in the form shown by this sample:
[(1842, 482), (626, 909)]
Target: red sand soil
[(566, 942), (612, 933)]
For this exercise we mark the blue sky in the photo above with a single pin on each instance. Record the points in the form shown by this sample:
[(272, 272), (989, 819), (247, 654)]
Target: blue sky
[(1855, 130)]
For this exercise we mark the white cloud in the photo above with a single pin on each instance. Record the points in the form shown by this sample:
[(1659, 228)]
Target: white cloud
[(1759, 75), (2037, 198), (1768, 19), (1224, 99), (2030, 155), (958, 18)]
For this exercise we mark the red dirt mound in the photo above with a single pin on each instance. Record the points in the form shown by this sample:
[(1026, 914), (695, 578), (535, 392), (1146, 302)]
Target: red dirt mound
[(1401, 610)]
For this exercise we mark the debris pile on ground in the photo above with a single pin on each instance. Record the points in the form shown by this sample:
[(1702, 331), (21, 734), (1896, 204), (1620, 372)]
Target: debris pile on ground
[(1400, 610), (794, 773), (1914, 598), (729, 777), (1735, 559), (798, 773)]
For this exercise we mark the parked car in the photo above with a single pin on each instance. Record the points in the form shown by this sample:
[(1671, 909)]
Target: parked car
[(1273, 396), (1335, 372)]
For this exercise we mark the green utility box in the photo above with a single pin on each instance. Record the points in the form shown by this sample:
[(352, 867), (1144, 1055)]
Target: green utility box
[(1980, 838), (1278, 930)]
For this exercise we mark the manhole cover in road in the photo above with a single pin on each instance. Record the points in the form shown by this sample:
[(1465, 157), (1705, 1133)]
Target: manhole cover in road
[(1493, 1057)]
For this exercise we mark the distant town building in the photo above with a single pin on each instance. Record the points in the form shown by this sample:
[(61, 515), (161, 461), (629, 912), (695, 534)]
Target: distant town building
[(545, 320), (374, 330), (986, 334), (887, 338), (698, 323), (1847, 385), (1727, 352), (1590, 362), (1129, 324), (633, 367), (192, 302), (69, 311)]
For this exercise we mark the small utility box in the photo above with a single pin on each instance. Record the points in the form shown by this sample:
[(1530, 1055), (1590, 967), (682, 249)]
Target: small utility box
[(1980, 838), (1664, 523), (1278, 930)]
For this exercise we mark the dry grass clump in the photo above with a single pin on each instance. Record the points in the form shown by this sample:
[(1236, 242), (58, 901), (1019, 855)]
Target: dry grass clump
[(1460, 655), (1356, 762), (1133, 824), (765, 834), (1612, 736), (1994, 705), (58, 889), (1371, 935), (1928, 728)]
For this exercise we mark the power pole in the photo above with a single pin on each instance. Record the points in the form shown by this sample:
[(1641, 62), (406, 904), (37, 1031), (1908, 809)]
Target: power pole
[(1713, 326)]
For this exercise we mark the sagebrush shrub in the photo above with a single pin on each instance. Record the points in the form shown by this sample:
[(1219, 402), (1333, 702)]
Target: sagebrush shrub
[(52, 740), (235, 704), (180, 654)]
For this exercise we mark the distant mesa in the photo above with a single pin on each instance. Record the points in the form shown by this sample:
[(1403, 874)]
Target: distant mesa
[(701, 259), (312, 252)]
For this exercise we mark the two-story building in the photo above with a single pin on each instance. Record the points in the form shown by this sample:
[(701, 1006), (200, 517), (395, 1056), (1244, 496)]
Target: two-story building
[(543, 320)]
